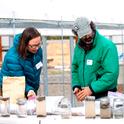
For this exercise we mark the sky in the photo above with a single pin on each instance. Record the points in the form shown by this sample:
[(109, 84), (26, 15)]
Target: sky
[(97, 10)]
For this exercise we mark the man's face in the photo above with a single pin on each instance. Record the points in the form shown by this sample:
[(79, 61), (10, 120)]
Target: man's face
[(88, 39), (86, 42)]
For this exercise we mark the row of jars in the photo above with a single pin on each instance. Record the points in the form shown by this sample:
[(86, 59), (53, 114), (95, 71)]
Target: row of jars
[(22, 110), (106, 110), (33, 106), (116, 110)]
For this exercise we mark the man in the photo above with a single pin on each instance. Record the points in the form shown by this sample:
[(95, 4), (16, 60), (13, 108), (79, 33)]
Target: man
[(95, 65)]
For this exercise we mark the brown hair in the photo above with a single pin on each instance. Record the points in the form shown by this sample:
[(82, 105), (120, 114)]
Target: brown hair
[(27, 35), (93, 26)]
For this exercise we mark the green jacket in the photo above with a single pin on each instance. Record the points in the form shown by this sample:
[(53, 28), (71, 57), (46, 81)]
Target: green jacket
[(97, 68)]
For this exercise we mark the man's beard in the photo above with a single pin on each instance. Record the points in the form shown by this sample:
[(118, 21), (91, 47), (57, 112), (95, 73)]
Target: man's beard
[(86, 45)]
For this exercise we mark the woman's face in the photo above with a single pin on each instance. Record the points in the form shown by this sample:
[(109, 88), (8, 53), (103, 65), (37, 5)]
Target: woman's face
[(34, 44)]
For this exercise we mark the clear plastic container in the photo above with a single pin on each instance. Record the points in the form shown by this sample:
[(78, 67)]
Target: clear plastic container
[(22, 108), (65, 108), (5, 106), (31, 105), (118, 108)]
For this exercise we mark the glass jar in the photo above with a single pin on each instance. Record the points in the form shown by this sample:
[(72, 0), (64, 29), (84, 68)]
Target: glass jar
[(5, 106), (65, 108), (105, 108), (22, 108), (118, 108), (41, 106), (31, 105), (90, 107)]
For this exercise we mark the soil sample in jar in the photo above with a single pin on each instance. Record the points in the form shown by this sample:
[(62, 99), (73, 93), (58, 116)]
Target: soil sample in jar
[(105, 108), (90, 107), (41, 106)]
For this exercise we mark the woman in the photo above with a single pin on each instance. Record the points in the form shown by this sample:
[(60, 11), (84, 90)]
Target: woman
[(25, 59)]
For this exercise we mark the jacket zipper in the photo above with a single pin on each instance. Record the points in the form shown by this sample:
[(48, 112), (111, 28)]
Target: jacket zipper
[(84, 66)]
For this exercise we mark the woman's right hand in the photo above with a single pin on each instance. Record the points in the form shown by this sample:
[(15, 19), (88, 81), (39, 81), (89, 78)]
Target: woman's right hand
[(31, 93)]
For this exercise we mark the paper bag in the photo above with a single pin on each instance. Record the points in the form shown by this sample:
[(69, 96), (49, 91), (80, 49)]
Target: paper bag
[(14, 87)]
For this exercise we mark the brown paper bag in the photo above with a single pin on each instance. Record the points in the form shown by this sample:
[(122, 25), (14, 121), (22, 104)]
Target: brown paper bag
[(14, 87)]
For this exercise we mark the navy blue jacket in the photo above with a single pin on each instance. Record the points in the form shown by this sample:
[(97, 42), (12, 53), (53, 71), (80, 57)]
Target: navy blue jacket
[(14, 65)]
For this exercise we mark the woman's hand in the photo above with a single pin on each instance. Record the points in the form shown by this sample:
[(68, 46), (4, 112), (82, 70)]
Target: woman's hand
[(31, 93)]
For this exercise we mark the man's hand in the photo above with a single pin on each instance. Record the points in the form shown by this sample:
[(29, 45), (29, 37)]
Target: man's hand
[(76, 90), (80, 95), (31, 93)]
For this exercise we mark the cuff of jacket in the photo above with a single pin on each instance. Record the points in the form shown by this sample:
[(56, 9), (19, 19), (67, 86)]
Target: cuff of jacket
[(76, 86), (1, 91), (26, 92), (91, 90)]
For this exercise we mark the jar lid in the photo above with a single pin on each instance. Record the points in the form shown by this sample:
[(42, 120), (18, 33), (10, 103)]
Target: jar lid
[(21, 101), (104, 100), (4, 98), (90, 98), (41, 98)]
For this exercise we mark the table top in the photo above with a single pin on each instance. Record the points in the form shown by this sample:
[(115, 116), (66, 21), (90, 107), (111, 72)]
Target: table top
[(54, 119), (77, 116)]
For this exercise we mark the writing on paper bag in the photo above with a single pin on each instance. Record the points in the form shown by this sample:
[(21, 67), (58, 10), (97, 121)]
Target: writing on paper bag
[(14, 87)]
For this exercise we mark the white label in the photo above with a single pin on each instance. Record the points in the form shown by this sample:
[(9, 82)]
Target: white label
[(39, 65), (89, 62)]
